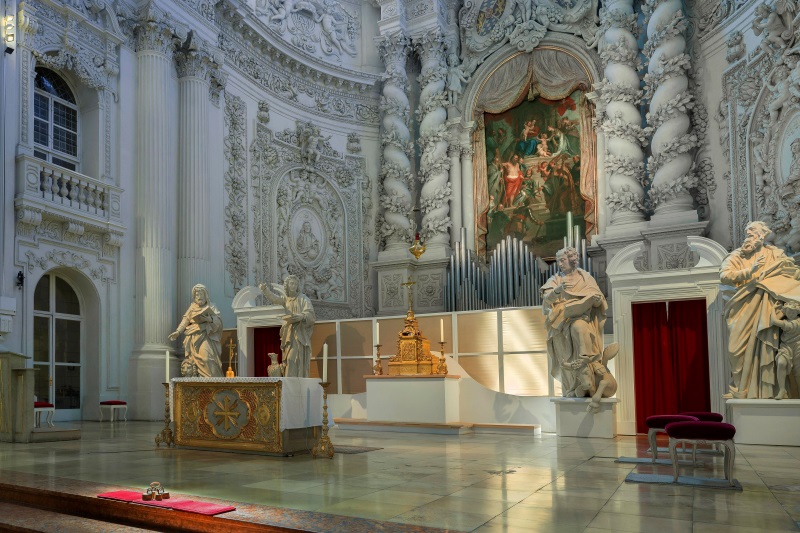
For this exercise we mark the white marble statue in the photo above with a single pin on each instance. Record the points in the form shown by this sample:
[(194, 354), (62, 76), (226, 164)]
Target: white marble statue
[(202, 341), (297, 326), (759, 277), (275, 369), (575, 311)]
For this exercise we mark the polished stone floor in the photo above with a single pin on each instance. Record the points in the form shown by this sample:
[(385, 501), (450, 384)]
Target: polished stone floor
[(480, 482)]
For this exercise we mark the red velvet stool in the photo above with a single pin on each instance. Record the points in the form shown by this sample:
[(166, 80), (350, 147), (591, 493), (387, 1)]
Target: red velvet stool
[(657, 423), (704, 416), (38, 409), (694, 433), (113, 406)]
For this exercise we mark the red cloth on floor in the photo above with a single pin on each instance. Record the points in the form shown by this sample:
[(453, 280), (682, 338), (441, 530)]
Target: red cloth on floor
[(179, 504)]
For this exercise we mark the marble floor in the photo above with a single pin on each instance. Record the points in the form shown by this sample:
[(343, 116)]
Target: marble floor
[(479, 482)]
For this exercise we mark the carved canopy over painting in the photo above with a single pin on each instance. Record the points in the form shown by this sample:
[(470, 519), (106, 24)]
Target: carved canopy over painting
[(534, 152)]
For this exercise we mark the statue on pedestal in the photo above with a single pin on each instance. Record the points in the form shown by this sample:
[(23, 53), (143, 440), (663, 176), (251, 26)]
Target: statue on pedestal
[(297, 326), (575, 312), (761, 279), (202, 341)]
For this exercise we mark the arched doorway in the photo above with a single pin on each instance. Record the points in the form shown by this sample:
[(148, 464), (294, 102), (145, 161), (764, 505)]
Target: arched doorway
[(58, 345)]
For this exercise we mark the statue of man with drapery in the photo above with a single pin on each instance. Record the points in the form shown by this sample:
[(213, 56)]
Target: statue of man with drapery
[(759, 277), (575, 312), (298, 324)]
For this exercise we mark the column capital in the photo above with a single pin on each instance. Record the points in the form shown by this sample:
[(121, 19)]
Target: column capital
[(195, 64), (393, 48), (156, 36), (431, 43)]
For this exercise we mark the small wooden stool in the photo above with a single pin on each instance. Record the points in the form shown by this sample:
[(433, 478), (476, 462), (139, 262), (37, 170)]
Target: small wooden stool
[(38, 408), (113, 406)]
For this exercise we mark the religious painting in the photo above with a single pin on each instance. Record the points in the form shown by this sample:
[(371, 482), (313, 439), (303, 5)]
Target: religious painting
[(230, 350), (533, 159)]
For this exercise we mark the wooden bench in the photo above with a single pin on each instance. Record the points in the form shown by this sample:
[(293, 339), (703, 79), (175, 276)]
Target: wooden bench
[(113, 406)]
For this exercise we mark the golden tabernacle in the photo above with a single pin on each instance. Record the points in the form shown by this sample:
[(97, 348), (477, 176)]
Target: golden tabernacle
[(413, 351), (267, 415)]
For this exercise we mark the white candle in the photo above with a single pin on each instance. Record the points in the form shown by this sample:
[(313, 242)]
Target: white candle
[(441, 330), (377, 332), (325, 363), (167, 360)]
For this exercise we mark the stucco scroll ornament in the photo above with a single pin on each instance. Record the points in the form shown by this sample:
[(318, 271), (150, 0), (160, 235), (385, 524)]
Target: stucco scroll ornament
[(487, 25)]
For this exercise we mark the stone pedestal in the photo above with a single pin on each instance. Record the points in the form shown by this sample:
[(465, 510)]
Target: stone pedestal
[(16, 398), (771, 422), (572, 419), (430, 399), (428, 292)]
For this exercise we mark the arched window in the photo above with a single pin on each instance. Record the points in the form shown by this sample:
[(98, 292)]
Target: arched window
[(55, 120), (57, 344)]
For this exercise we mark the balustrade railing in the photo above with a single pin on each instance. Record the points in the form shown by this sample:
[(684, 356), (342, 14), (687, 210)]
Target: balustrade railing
[(74, 190)]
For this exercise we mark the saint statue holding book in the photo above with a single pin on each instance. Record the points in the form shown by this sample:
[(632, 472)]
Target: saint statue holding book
[(202, 341), (297, 326), (575, 312)]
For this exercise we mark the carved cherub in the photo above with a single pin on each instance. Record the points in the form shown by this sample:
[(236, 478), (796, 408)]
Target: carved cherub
[(736, 47), (788, 358), (779, 88), (455, 78), (769, 22)]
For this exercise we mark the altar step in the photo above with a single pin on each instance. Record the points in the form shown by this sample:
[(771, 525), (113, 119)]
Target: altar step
[(55, 434), (457, 428), (24, 508)]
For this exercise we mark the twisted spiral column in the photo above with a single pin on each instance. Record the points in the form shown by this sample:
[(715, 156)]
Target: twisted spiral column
[(673, 142), (433, 139), (618, 115), (396, 145), (194, 73)]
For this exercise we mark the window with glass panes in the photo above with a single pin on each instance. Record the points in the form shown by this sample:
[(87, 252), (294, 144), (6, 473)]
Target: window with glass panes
[(55, 120)]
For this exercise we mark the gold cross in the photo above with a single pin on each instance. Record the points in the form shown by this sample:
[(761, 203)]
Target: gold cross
[(408, 284), (231, 347), (227, 412)]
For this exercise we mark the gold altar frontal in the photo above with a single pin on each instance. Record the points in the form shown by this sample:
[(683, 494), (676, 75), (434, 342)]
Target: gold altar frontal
[(413, 351), (235, 416)]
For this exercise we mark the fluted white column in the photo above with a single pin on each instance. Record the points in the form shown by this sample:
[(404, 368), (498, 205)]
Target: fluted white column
[(456, 201), (468, 195), (619, 96), (433, 140), (194, 204), (155, 191), (396, 145), (673, 143)]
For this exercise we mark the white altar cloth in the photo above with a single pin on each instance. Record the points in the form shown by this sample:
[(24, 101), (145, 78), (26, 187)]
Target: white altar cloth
[(301, 398)]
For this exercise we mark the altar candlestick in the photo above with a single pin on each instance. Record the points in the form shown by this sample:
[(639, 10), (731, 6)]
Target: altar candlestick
[(377, 332), (325, 363), (167, 364), (441, 330)]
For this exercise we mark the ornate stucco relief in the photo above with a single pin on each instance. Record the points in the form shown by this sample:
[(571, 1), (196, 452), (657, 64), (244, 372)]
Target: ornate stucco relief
[(487, 26), (761, 119), (313, 26), (236, 191), (312, 218)]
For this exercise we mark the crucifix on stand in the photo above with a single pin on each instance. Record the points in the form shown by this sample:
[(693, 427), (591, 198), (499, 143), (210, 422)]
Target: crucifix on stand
[(409, 284), (231, 347)]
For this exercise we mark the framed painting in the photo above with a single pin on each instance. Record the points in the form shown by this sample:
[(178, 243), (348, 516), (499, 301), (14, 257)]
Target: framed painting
[(533, 172)]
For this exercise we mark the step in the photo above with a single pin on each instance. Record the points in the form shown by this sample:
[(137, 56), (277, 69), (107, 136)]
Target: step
[(359, 424), (55, 434)]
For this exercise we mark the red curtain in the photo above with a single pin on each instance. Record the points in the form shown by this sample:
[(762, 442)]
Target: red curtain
[(265, 340), (670, 358)]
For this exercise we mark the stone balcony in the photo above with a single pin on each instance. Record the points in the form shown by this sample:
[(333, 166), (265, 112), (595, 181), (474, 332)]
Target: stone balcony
[(79, 201)]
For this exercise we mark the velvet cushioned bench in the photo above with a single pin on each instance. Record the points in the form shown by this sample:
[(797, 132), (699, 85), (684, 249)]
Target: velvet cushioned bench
[(657, 423), (699, 432)]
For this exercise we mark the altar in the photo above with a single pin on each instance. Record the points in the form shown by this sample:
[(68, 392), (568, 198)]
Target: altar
[(264, 415)]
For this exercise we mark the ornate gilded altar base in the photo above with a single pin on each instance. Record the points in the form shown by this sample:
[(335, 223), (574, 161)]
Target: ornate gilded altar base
[(266, 415)]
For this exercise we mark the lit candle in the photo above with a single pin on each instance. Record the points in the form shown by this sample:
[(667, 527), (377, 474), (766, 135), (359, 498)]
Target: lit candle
[(325, 363), (441, 330), (377, 332), (167, 360)]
